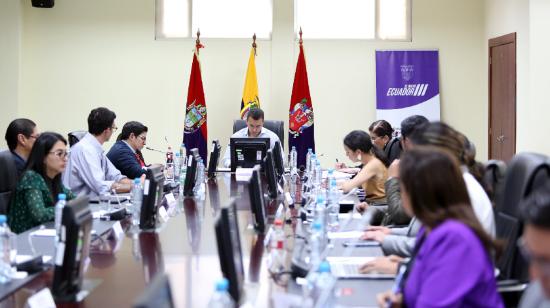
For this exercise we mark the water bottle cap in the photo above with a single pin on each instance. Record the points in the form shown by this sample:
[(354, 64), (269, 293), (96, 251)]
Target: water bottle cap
[(333, 182), (61, 197), (324, 267), (177, 154), (318, 163), (320, 199), (293, 147), (3, 219), (136, 181), (330, 170), (222, 285), (309, 150), (317, 226)]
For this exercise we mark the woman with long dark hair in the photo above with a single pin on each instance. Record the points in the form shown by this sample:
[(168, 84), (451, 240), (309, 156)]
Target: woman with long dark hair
[(381, 134), (451, 265), (373, 174), (37, 190)]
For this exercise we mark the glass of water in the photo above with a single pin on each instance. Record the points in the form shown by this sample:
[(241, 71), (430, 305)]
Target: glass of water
[(105, 201)]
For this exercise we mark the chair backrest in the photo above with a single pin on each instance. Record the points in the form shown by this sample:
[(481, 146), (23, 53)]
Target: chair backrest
[(525, 173), (278, 127), (493, 178), (74, 137), (8, 180)]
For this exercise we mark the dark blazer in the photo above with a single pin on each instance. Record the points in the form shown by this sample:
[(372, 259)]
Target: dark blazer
[(393, 149), (125, 160)]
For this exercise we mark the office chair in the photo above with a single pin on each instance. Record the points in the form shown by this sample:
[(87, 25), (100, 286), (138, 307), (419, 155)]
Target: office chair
[(278, 127), (493, 179), (525, 173), (8, 180), (74, 137)]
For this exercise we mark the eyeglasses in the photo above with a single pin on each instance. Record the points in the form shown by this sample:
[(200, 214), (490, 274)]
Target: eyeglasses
[(34, 136), (143, 138), (542, 263), (61, 153), (373, 138), (114, 128)]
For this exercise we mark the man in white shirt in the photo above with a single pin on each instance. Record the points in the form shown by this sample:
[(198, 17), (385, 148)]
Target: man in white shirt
[(254, 129), (89, 171)]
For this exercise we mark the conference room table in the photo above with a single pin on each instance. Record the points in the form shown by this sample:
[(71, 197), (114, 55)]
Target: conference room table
[(184, 247)]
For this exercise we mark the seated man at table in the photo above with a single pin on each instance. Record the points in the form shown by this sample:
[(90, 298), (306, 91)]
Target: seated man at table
[(125, 154), (89, 171), (254, 129), (20, 137)]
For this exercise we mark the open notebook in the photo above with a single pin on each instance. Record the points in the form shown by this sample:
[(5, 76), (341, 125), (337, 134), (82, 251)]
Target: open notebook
[(348, 268)]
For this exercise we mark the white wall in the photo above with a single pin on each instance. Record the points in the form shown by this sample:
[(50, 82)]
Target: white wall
[(538, 110), (10, 28), (79, 55)]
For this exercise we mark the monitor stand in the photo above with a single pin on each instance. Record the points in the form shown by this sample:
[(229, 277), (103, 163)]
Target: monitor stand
[(88, 285)]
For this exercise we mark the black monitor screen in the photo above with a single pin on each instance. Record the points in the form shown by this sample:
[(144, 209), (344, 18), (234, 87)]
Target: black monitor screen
[(191, 175), (248, 152), (270, 175), (278, 158), (257, 200), (152, 197), (74, 245), (229, 249), (214, 158)]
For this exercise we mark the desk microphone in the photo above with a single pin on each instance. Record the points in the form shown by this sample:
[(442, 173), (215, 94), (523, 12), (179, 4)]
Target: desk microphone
[(155, 150)]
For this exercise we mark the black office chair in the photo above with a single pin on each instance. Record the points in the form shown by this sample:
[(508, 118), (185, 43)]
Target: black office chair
[(278, 127), (74, 137), (525, 173), (493, 179), (8, 180)]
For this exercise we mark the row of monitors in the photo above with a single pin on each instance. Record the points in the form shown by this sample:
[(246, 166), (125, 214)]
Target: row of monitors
[(77, 217)]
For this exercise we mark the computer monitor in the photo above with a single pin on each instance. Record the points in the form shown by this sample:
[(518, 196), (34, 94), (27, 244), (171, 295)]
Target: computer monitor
[(214, 158), (72, 249), (229, 249), (191, 175), (278, 158), (152, 197), (270, 174), (257, 204), (157, 295), (247, 152)]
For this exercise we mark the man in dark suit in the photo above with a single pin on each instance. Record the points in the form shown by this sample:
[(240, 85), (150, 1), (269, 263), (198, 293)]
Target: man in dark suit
[(125, 154), (20, 137)]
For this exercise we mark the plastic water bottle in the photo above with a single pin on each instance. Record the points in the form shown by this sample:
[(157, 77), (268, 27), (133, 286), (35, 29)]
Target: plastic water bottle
[(137, 197), (183, 154), (320, 210), (5, 251), (316, 245), (293, 161), (330, 175), (318, 174), (333, 205), (221, 298), (169, 168), (324, 287), (199, 185), (61, 200), (308, 159), (177, 169), (277, 253)]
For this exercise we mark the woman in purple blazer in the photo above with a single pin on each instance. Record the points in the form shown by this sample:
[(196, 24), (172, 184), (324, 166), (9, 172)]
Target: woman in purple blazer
[(451, 265)]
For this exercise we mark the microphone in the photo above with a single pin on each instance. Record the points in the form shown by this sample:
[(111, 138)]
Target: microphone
[(155, 150)]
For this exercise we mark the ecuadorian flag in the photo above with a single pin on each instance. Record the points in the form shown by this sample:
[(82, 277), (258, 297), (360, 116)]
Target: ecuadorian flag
[(250, 98)]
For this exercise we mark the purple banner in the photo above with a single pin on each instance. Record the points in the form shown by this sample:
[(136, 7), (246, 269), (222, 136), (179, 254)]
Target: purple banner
[(407, 83)]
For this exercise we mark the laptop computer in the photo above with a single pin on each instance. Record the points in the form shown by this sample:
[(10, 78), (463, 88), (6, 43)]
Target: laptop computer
[(348, 268)]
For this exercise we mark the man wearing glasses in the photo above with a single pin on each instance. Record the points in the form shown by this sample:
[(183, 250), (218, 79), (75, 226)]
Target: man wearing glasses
[(535, 248), (125, 154), (20, 137), (89, 171)]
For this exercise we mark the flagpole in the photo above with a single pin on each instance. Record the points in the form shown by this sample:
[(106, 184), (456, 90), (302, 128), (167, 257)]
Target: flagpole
[(198, 44), (300, 41)]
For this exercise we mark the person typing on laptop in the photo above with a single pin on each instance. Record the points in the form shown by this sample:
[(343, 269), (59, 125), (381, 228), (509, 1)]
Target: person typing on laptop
[(89, 171)]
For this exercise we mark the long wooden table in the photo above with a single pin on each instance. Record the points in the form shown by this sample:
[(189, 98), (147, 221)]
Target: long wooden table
[(185, 248)]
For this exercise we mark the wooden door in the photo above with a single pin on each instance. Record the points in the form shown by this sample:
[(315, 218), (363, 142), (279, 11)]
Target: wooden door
[(502, 97)]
